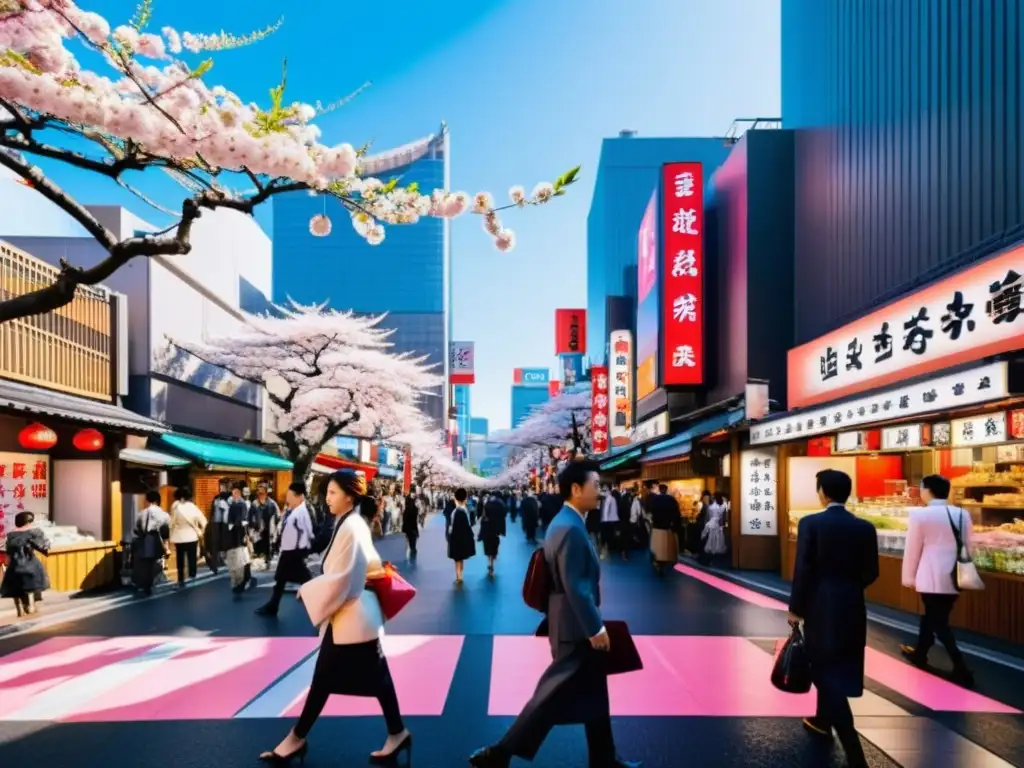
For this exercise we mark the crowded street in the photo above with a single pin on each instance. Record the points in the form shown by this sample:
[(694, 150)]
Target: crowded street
[(197, 677)]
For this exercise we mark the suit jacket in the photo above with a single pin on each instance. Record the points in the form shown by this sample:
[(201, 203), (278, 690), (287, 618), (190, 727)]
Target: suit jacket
[(836, 560), (931, 548), (339, 597), (574, 609)]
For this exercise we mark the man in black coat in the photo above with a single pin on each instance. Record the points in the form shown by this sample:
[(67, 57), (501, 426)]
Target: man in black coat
[(529, 509), (411, 521), (836, 560)]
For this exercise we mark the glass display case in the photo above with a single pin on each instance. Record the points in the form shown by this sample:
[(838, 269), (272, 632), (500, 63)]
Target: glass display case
[(992, 494)]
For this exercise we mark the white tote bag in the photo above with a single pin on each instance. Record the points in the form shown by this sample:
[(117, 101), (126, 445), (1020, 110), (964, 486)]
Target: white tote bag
[(965, 572)]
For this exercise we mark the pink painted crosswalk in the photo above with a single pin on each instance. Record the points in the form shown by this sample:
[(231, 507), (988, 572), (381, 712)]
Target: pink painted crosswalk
[(95, 679)]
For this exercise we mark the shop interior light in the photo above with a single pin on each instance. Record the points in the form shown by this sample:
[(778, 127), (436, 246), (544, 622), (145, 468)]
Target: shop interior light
[(37, 437)]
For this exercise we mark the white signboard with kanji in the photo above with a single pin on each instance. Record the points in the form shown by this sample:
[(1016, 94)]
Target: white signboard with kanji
[(759, 491), (24, 487)]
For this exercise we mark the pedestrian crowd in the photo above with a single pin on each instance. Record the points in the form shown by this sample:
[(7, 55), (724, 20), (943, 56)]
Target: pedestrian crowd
[(354, 592)]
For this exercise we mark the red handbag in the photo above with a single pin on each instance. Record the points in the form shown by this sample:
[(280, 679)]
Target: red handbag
[(393, 592)]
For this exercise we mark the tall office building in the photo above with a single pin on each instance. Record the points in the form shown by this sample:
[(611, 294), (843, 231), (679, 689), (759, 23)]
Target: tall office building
[(524, 399), (909, 145), (463, 414), (627, 174), (408, 276)]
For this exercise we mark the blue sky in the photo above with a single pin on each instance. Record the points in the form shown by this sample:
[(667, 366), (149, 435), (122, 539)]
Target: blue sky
[(528, 88)]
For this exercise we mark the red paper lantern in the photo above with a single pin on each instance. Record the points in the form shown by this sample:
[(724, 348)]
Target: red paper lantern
[(88, 440), (37, 437)]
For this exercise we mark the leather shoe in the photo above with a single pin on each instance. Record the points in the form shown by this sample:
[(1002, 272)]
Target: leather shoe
[(490, 757)]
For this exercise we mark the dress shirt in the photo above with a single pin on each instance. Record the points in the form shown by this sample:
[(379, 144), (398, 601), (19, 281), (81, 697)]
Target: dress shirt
[(583, 516), (296, 529), (609, 510)]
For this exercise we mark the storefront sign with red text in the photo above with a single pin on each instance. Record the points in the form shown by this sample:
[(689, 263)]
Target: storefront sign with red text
[(599, 408), (682, 230)]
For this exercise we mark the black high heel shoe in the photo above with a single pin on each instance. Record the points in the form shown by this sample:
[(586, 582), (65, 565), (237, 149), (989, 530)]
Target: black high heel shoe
[(299, 754), (405, 745)]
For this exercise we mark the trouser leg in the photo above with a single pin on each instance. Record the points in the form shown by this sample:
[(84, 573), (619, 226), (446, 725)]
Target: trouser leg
[(834, 709), (316, 699), (600, 743), (388, 701), (941, 607), (180, 561)]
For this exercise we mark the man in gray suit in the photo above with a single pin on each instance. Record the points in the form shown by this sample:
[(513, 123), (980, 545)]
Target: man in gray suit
[(574, 689)]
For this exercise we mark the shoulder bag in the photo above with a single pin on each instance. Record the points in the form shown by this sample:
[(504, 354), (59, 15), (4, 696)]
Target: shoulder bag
[(965, 573)]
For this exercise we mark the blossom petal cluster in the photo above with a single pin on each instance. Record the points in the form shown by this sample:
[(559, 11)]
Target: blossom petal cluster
[(433, 463), (551, 424), (158, 104), (326, 373)]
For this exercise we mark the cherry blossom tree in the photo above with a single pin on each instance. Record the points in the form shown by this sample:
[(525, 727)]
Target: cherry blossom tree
[(152, 109), (563, 422), (326, 373), (518, 471), (432, 461)]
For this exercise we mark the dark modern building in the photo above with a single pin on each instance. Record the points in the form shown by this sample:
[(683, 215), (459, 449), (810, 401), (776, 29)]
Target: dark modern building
[(408, 276), (909, 159), (627, 174)]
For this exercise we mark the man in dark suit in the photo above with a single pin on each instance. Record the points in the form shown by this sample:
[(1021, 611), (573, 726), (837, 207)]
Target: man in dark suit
[(836, 560), (530, 510), (574, 689)]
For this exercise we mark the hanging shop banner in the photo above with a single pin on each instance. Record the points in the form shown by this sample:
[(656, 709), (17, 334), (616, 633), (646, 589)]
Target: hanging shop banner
[(759, 489), (570, 331), (955, 390), (648, 332), (974, 314), (979, 430), (554, 387), (682, 312), (599, 408), (461, 362), (531, 377), (903, 437), (849, 441), (620, 346), (24, 487)]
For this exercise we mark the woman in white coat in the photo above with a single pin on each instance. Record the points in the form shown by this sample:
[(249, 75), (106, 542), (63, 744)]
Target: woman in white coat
[(351, 661), (928, 561)]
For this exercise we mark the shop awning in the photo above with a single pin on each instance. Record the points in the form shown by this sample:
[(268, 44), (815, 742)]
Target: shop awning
[(675, 451), (217, 454), (618, 461), (326, 464), (44, 402), (147, 458)]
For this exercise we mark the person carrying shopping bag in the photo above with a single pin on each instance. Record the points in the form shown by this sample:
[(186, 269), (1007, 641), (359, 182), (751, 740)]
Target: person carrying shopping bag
[(350, 618)]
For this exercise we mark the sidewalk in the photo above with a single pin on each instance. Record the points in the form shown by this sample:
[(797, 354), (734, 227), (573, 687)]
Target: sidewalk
[(771, 584), (61, 607)]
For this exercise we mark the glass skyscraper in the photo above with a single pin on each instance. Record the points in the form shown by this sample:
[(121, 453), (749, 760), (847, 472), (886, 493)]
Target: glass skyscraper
[(524, 399), (408, 276)]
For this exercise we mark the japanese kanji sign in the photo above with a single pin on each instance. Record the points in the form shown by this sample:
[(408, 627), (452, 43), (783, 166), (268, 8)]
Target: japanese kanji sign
[(24, 487), (460, 362), (974, 314), (682, 313), (759, 489), (979, 430), (955, 390), (599, 408), (620, 411)]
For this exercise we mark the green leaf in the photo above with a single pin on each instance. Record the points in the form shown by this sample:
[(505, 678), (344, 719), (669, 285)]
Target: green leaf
[(567, 178), (413, 188), (143, 13), (202, 69), (390, 186)]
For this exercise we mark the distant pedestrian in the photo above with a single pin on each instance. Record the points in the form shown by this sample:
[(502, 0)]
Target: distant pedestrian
[(529, 510), (25, 575), (461, 544), (665, 521), (411, 522), (264, 520), (217, 530), (713, 535), (931, 547), (187, 528), (236, 555), (296, 544), (149, 545), (492, 528)]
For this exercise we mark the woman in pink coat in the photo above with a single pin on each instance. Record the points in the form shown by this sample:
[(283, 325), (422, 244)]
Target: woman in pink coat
[(928, 563)]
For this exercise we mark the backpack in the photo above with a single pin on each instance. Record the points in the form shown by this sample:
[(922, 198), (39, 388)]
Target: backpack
[(537, 584)]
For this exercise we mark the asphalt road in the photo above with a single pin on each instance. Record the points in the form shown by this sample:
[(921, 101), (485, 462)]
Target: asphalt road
[(196, 679)]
